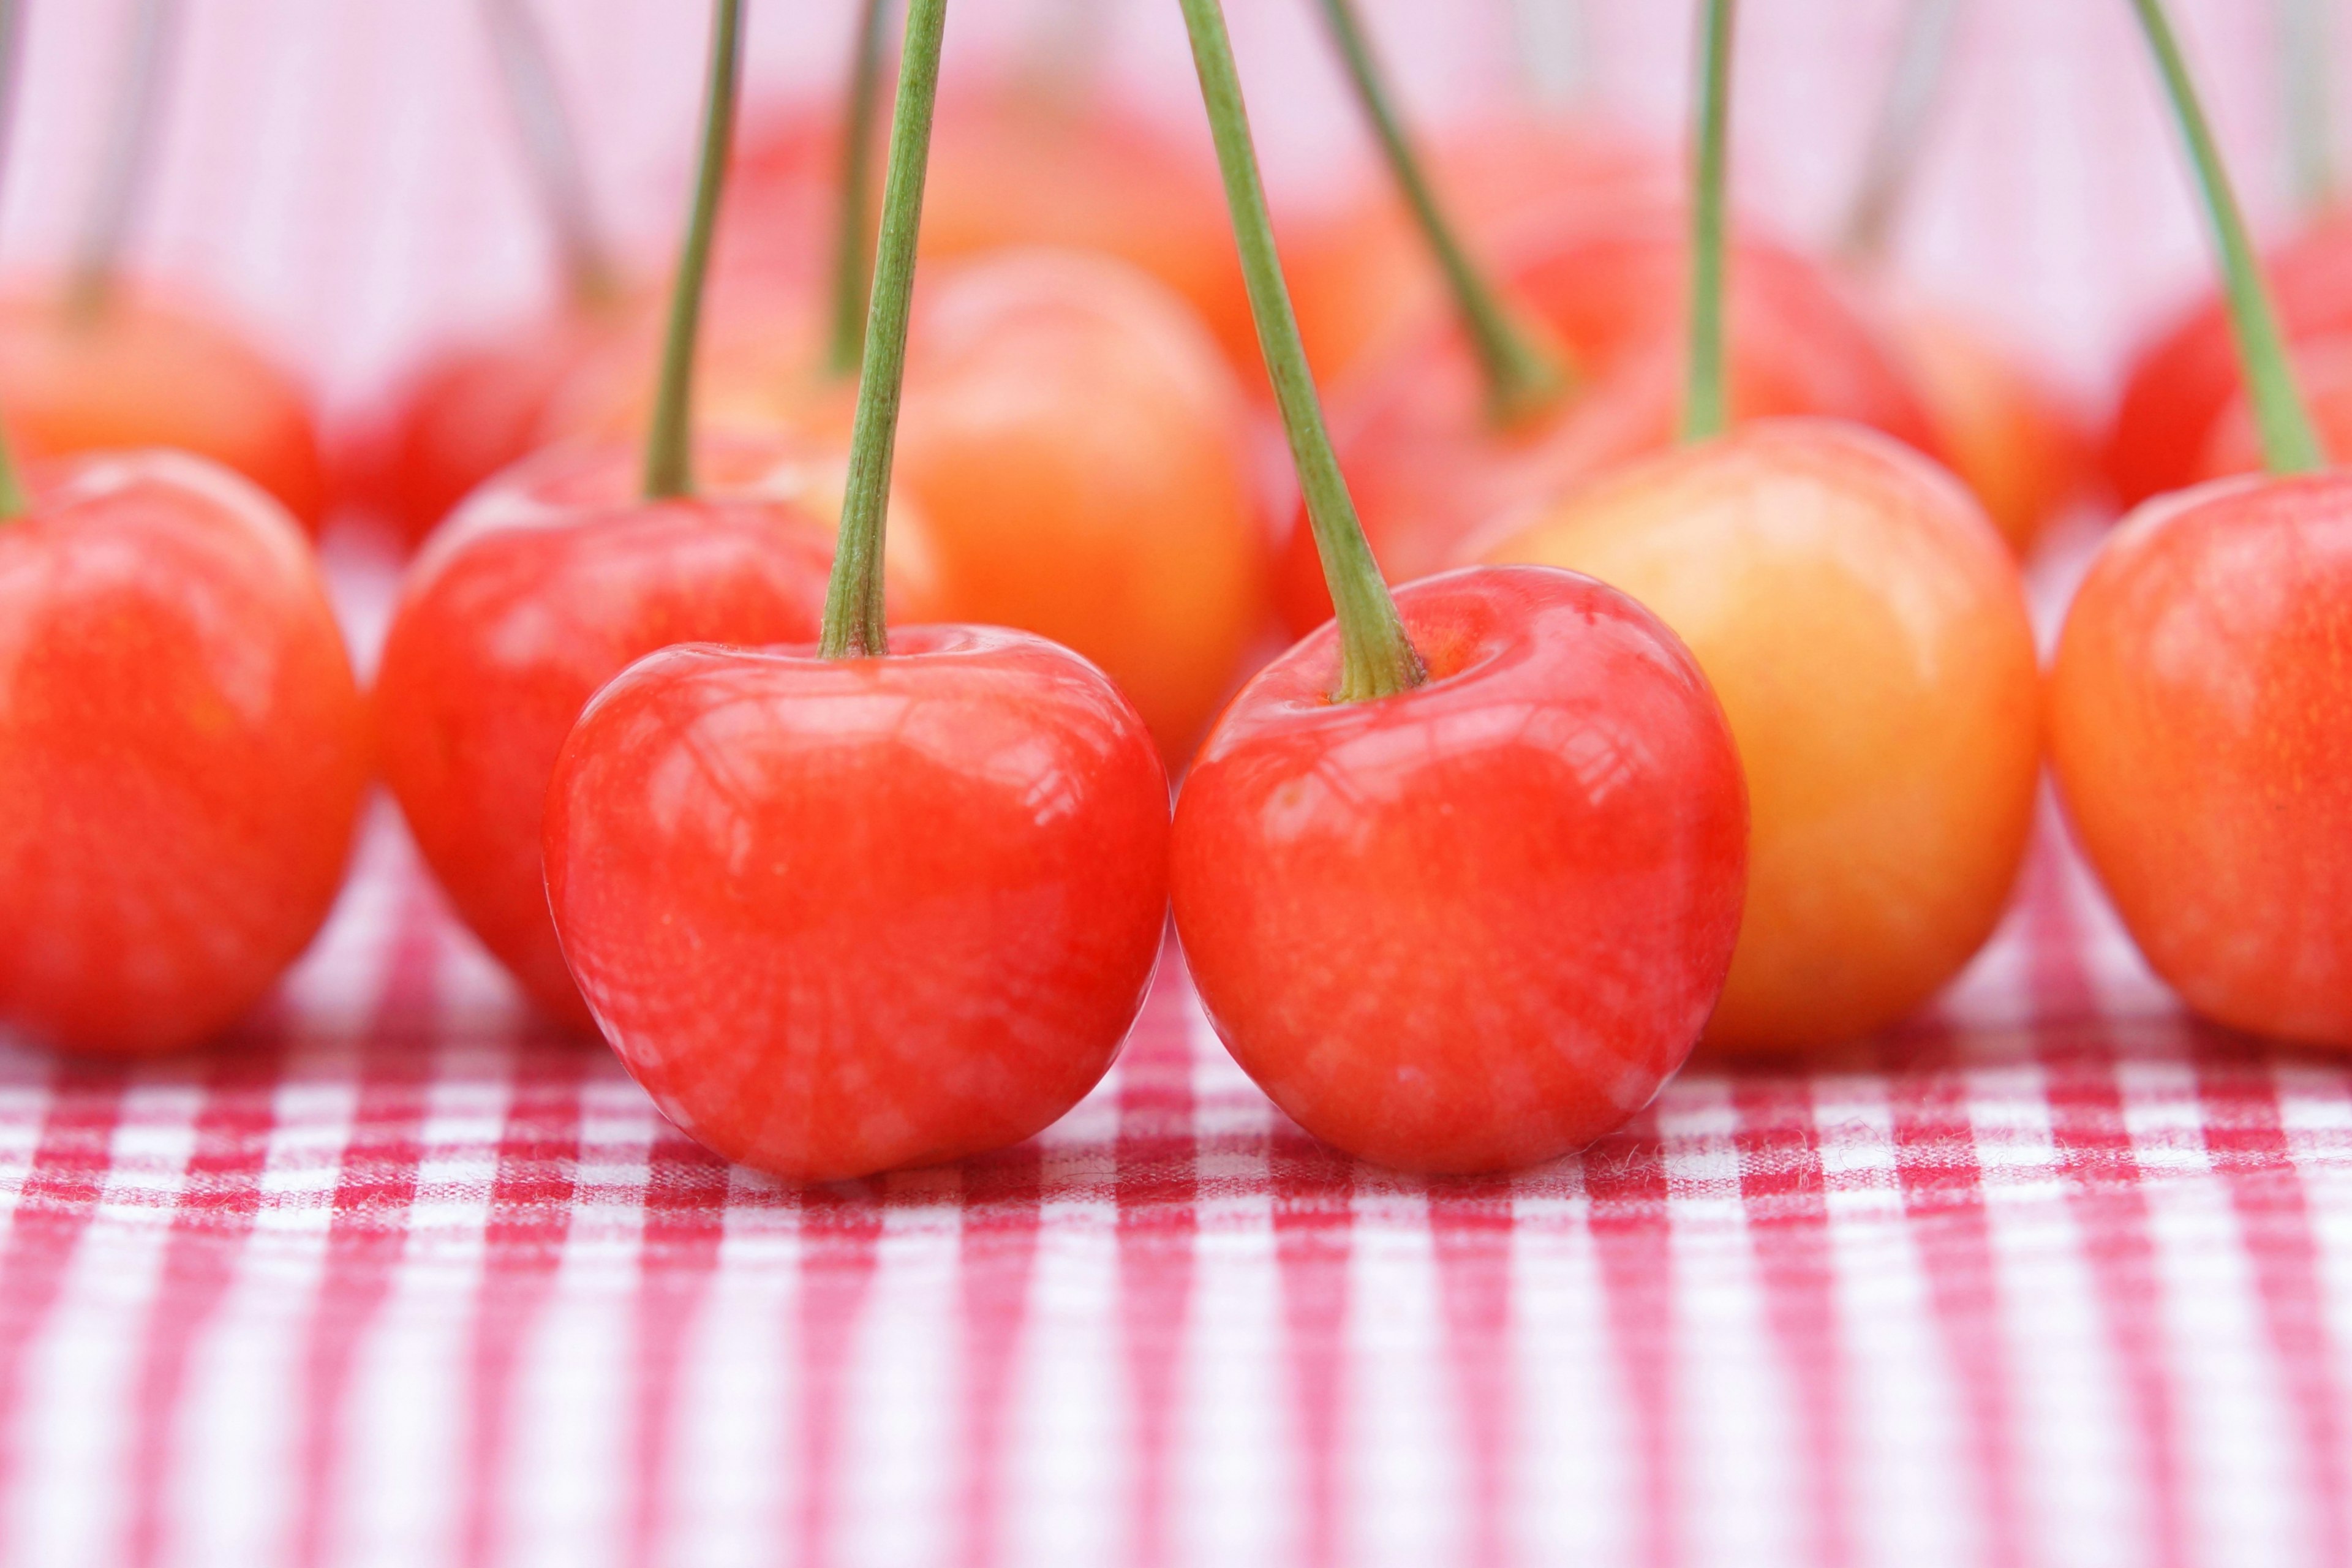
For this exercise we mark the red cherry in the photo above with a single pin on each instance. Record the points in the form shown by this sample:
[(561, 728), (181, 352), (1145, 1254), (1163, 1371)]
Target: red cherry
[(1428, 468), (467, 412), (543, 586), (2323, 373), (840, 916), (2200, 724), (144, 370), (1477, 924), (183, 752)]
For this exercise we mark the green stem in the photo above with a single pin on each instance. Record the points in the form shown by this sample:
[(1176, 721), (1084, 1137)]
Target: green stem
[(552, 150), (1706, 407), (1376, 659), (1521, 378), (1893, 156), (669, 443), (853, 259), (854, 623), (122, 175), (2304, 42), (2289, 445)]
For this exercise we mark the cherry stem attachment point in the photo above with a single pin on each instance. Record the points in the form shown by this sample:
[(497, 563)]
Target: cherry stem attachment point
[(1376, 657), (1706, 403), (2290, 444), (1522, 379), (122, 182), (669, 441), (852, 256), (552, 150), (1892, 158), (854, 626)]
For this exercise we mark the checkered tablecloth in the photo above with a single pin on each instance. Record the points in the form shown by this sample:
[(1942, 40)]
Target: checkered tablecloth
[(398, 1276)]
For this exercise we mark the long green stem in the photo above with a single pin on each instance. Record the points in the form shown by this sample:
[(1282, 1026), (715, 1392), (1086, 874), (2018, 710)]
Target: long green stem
[(1376, 659), (115, 199), (2289, 445), (552, 150), (2306, 46), (1706, 407), (669, 442), (14, 502), (1893, 155), (853, 258), (854, 623), (1521, 378)]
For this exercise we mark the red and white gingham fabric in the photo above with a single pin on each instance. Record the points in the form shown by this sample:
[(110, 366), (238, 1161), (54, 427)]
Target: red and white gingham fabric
[(2052, 1276)]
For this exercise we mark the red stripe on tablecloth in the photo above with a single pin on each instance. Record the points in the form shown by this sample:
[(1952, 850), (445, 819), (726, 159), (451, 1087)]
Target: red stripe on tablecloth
[(367, 1229), (1783, 1191), (54, 1208), (1942, 1186), (2103, 1176), (1625, 1184), (685, 1222), (1313, 1189), (1157, 1189), (1470, 1229), (2245, 1140), (532, 1190), (841, 1229), (219, 1196), (996, 1255)]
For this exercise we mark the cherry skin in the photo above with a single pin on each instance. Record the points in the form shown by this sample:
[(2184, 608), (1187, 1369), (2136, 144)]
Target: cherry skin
[(2184, 379), (2200, 727), (1476, 925), (840, 916), (2323, 373), (1362, 275), (146, 372), (1867, 634), (465, 412), (183, 752), (2010, 439), (1428, 468), (540, 589)]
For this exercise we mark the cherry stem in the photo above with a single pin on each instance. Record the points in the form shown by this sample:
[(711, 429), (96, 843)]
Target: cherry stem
[(2304, 42), (14, 502), (1892, 158), (1376, 659), (2289, 445), (1521, 378), (552, 150), (669, 443), (1706, 403), (854, 626), (853, 259), (122, 175)]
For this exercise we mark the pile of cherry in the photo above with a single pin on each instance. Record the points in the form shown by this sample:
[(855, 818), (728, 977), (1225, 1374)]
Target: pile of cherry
[(1707, 713)]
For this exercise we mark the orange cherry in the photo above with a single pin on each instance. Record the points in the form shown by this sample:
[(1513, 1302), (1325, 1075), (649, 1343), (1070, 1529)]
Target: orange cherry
[(1867, 634), (142, 370)]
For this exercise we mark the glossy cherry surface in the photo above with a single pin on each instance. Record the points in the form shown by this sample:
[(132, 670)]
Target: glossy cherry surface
[(1427, 467), (542, 587), (840, 916), (144, 370), (183, 752), (1867, 634), (2200, 720), (1477, 924)]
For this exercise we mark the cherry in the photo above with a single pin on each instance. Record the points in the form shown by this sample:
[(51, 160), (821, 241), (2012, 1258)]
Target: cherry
[(2200, 721), (1457, 877), (2323, 372), (852, 908), (548, 582), (1868, 635), (183, 751), (476, 404)]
